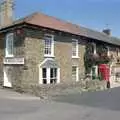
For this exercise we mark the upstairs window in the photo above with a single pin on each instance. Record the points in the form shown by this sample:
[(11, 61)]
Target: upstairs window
[(118, 52), (49, 45), (93, 48), (9, 45), (108, 51), (74, 48)]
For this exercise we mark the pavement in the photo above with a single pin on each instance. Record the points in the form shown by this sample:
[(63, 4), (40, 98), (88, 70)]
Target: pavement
[(102, 105), (11, 95)]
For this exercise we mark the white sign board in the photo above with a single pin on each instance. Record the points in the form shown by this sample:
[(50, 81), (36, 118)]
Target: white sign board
[(13, 61)]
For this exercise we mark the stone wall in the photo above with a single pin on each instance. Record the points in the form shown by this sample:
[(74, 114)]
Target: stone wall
[(31, 46), (47, 91), (2, 37), (34, 55), (80, 61), (63, 57), (15, 71)]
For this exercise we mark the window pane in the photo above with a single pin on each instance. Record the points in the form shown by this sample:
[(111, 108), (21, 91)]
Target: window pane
[(44, 73), (48, 45), (56, 72), (53, 72), (74, 47), (92, 48), (44, 81), (53, 75), (74, 72), (9, 44)]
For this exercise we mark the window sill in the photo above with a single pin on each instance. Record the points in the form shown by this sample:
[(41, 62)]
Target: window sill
[(49, 56), (75, 57), (9, 56)]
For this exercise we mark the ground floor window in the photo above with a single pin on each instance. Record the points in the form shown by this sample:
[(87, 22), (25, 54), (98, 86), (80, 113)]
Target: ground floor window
[(75, 73), (53, 75), (50, 75), (44, 75)]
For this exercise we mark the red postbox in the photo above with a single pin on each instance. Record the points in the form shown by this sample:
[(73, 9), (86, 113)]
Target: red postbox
[(104, 71)]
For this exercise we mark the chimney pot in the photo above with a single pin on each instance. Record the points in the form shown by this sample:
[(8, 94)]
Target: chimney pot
[(107, 31)]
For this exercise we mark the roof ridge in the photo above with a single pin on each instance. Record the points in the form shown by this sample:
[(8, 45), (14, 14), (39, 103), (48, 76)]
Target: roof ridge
[(76, 25), (29, 17), (44, 20)]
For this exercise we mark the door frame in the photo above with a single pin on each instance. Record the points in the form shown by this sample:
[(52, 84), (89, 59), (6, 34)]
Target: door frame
[(6, 79)]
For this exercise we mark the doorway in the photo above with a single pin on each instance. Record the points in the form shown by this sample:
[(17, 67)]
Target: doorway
[(7, 80)]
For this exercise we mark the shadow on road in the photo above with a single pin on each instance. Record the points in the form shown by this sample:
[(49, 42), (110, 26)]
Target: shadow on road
[(109, 99)]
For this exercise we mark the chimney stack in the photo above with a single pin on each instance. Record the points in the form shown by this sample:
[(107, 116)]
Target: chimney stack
[(6, 12), (107, 31)]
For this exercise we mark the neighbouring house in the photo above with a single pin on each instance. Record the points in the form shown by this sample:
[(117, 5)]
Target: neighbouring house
[(40, 49)]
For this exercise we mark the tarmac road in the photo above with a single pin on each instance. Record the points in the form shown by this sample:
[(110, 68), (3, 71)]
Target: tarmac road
[(103, 105)]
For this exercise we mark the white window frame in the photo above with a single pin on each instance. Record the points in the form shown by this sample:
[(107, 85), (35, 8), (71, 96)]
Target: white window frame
[(118, 52), (96, 70), (94, 48), (77, 73), (52, 78), (6, 48), (108, 51), (48, 75), (52, 45), (77, 48)]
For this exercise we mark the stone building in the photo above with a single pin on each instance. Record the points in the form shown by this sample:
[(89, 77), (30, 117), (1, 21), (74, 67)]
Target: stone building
[(40, 49)]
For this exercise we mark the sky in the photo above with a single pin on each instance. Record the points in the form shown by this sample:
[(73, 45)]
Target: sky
[(94, 14)]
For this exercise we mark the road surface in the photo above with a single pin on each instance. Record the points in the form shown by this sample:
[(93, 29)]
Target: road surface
[(87, 106)]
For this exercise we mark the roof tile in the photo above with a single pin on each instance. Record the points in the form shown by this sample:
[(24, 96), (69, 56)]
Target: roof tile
[(43, 20)]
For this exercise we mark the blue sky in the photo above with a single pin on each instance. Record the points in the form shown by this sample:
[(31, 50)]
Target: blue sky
[(94, 14)]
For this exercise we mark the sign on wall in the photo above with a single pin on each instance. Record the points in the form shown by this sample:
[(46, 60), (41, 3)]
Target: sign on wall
[(13, 61)]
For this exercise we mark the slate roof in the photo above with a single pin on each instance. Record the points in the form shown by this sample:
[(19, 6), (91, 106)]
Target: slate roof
[(50, 63), (46, 21)]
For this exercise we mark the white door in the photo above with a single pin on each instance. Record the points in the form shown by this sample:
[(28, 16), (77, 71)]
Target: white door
[(115, 80), (7, 80)]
